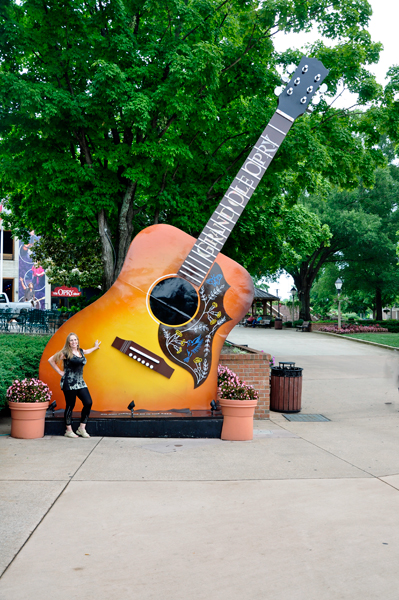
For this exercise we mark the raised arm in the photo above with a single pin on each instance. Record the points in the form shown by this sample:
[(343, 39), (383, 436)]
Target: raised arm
[(90, 350)]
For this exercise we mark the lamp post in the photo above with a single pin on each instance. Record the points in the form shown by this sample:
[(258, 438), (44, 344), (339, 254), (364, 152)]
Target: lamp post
[(293, 291), (338, 286)]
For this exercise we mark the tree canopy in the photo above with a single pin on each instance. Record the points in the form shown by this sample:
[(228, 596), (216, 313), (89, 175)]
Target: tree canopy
[(118, 114), (363, 225)]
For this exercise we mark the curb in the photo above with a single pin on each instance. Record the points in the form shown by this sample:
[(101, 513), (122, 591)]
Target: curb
[(341, 336)]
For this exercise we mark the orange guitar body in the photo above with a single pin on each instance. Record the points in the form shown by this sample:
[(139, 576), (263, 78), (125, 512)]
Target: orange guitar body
[(114, 379)]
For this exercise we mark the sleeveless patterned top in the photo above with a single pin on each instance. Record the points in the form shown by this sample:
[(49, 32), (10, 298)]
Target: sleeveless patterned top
[(73, 372)]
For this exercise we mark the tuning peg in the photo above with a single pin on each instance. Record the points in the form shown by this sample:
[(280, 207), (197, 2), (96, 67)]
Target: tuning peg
[(323, 88), (278, 90), (285, 78), (310, 108), (291, 68)]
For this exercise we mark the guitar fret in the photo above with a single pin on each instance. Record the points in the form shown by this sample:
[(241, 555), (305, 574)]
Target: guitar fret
[(252, 174), (240, 192), (207, 259), (217, 223), (279, 130), (227, 219), (189, 276), (267, 138), (232, 210), (218, 233), (186, 262), (210, 243), (196, 260), (283, 114), (258, 163), (192, 270), (265, 152), (248, 184)]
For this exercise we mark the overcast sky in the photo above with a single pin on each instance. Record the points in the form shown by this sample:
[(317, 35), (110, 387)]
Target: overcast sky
[(383, 28)]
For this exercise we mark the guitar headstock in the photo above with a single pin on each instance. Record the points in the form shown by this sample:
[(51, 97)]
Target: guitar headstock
[(303, 85)]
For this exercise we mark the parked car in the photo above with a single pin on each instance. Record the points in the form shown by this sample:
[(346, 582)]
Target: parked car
[(15, 306)]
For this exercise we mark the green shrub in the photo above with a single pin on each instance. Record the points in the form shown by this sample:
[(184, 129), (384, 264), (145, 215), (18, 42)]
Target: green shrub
[(288, 324), (19, 358), (327, 321), (391, 324), (298, 322)]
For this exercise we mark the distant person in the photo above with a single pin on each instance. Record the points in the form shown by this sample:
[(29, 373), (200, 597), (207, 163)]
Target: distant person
[(251, 320), (35, 303)]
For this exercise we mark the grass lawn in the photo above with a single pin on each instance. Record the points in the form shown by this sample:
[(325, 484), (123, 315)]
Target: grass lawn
[(389, 339)]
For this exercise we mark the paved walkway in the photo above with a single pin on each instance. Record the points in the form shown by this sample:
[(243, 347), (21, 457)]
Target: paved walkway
[(307, 511)]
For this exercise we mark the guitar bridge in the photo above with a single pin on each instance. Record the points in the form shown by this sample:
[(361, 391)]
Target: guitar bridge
[(143, 356)]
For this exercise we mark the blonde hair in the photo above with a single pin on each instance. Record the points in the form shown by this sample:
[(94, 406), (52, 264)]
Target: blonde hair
[(66, 352)]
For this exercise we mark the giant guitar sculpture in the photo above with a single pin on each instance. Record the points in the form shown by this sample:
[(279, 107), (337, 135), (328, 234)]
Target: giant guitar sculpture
[(164, 321)]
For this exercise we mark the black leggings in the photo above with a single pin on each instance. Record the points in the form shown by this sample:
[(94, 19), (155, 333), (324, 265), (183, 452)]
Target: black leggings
[(70, 398)]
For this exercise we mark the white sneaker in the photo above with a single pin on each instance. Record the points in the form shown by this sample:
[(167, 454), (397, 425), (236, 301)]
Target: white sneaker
[(70, 434), (82, 432)]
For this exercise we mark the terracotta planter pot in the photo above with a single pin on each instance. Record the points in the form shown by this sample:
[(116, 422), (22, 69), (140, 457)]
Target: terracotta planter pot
[(238, 419), (28, 419)]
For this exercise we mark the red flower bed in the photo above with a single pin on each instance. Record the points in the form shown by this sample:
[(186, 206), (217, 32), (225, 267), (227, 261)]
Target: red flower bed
[(354, 329)]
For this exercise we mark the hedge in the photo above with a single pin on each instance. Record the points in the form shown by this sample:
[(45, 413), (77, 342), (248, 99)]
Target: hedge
[(19, 358), (391, 324)]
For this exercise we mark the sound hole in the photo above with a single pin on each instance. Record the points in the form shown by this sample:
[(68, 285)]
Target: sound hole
[(173, 301)]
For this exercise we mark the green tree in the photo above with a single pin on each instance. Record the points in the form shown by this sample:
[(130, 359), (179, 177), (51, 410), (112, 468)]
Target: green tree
[(115, 115), (370, 264), (363, 225), (66, 263)]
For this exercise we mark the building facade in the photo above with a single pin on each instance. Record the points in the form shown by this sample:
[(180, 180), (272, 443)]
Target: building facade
[(19, 272)]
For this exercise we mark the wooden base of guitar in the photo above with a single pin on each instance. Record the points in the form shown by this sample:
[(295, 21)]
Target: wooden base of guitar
[(114, 379)]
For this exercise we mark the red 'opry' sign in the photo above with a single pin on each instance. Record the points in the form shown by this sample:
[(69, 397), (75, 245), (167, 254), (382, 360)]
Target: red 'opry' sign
[(66, 292)]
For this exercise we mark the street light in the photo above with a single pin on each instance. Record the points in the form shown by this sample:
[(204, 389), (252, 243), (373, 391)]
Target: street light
[(293, 292), (338, 286)]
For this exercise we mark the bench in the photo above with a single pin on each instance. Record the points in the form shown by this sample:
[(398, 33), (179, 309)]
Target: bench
[(303, 327), (264, 323)]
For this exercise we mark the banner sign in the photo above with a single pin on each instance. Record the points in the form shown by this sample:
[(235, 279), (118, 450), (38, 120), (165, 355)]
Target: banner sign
[(65, 292), (31, 275)]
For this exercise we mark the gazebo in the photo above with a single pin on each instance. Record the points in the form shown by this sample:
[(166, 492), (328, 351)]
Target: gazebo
[(266, 300)]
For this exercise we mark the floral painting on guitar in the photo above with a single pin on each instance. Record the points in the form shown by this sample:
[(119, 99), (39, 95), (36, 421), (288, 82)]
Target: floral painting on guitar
[(190, 346)]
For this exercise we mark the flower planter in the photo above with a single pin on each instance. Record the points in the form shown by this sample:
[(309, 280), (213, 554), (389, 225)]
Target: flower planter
[(238, 419), (254, 369), (28, 419)]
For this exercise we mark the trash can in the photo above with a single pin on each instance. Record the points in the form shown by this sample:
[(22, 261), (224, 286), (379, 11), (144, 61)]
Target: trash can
[(278, 323), (286, 388)]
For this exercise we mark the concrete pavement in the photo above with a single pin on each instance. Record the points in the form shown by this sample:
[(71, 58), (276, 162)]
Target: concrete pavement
[(305, 511)]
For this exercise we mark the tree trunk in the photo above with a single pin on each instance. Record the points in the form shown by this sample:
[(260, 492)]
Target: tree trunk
[(378, 304), (107, 250), (303, 284), (304, 312), (125, 226), (305, 275)]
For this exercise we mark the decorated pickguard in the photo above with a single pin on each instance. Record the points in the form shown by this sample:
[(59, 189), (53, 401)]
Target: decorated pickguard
[(190, 346)]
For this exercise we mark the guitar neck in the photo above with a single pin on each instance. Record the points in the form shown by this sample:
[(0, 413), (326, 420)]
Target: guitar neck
[(213, 237)]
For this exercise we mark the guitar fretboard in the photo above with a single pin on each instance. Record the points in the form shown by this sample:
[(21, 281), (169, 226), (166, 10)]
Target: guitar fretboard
[(212, 239)]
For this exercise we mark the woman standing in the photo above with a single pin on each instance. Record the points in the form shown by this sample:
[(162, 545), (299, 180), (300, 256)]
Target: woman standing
[(72, 383)]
